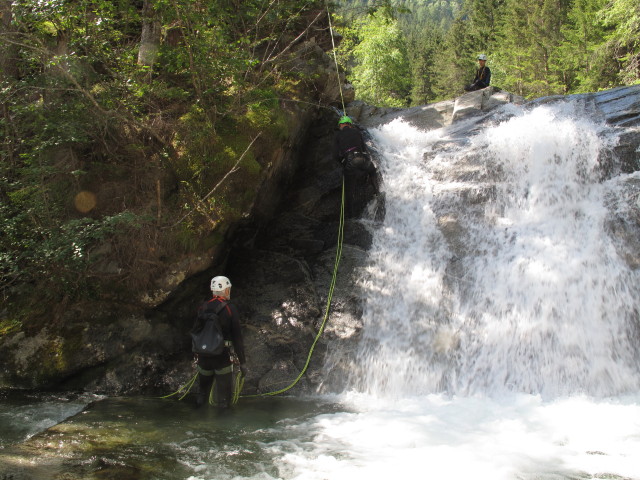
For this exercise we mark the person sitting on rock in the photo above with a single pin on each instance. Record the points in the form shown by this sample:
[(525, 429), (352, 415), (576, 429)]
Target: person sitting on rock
[(219, 367), (351, 152), (483, 75)]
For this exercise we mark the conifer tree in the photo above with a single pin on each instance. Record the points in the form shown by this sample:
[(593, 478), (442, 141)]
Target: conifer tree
[(381, 75), (527, 51), (422, 52), (455, 61), (623, 16), (582, 34)]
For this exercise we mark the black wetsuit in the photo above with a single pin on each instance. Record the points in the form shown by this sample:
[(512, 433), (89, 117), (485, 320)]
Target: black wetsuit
[(347, 139), (481, 80), (218, 367), (350, 150)]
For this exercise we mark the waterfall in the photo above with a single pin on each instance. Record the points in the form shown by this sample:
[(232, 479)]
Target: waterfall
[(494, 270)]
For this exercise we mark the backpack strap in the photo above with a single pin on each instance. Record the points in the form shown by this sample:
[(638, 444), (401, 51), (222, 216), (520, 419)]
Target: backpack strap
[(222, 305)]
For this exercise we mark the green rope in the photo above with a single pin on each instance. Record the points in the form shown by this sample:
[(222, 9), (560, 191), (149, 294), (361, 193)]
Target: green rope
[(212, 399), (187, 385), (338, 251), (327, 308), (239, 381), (238, 388)]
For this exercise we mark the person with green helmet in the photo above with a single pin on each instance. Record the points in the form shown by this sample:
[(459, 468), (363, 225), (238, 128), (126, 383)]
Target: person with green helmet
[(483, 75), (351, 152)]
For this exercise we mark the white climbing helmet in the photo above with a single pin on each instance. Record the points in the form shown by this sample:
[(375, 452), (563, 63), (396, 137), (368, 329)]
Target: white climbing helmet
[(220, 284), (482, 56)]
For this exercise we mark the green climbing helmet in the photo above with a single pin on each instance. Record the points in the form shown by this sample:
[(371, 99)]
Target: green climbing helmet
[(344, 119)]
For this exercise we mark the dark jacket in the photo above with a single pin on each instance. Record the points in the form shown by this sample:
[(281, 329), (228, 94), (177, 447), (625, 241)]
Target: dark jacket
[(482, 78), (348, 139), (229, 324)]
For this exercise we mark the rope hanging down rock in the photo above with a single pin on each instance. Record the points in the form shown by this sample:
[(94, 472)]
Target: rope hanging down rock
[(239, 382)]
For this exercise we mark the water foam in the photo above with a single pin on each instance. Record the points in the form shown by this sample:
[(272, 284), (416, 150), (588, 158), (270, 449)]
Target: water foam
[(526, 293)]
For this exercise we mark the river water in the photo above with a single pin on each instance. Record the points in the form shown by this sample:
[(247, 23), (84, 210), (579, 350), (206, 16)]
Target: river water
[(500, 337)]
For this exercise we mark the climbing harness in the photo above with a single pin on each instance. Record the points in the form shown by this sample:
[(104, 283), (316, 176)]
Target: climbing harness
[(186, 388), (239, 378)]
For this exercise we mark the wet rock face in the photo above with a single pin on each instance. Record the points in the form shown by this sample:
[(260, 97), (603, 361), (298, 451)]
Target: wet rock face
[(282, 270), (280, 262)]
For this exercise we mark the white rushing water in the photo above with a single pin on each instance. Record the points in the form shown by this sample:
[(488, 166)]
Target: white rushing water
[(539, 300), (498, 338)]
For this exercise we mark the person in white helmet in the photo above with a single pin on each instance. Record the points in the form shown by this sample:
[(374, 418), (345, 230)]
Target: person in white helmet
[(219, 367), (483, 75)]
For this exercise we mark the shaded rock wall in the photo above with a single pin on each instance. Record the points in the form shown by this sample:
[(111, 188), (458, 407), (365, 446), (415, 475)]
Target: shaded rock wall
[(135, 343)]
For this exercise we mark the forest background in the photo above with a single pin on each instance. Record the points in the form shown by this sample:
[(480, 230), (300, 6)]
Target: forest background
[(426, 50), (137, 131)]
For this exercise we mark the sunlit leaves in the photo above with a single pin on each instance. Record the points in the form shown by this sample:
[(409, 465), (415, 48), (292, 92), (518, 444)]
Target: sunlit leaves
[(381, 73)]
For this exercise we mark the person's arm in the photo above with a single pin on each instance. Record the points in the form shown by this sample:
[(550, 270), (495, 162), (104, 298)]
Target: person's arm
[(236, 334), (336, 147)]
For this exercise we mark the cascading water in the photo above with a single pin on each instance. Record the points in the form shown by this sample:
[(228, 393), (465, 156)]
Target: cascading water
[(494, 270)]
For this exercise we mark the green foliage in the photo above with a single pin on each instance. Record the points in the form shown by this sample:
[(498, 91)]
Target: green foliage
[(55, 260), (577, 53), (152, 143), (381, 73), (535, 47), (623, 40), (454, 61), (422, 53)]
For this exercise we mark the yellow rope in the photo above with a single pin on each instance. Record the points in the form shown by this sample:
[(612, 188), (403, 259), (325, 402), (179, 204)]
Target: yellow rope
[(335, 266), (239, 381), (327, 308), (238, 388), (187, 385)]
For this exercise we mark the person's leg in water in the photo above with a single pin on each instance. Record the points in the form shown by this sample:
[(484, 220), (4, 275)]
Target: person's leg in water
[(224, 387), (205, 379)]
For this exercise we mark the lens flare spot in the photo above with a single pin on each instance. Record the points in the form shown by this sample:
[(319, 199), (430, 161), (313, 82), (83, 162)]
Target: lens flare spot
[(85, 201)]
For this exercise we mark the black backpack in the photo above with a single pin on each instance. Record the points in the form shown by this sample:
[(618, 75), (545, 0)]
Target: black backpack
[(209, 339)]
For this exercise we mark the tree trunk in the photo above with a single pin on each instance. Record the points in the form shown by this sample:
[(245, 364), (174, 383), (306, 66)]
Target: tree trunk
[(8, 73), (8, 50)]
